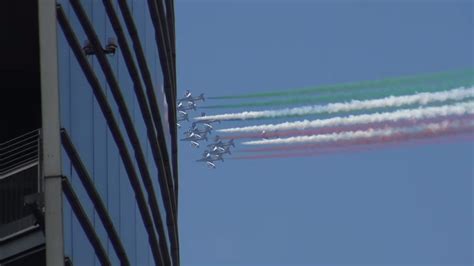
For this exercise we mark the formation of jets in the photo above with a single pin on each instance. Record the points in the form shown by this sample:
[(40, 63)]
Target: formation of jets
[(195, 134), (186, 104), (202, 127), (216, 152), (200, 130)]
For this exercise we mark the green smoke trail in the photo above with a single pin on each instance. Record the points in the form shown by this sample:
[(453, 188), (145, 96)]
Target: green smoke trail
[(378, 84), (466, 81)]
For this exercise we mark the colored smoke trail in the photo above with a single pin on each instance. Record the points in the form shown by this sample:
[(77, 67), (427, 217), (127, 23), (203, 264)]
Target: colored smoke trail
[(350, 142), (404, 114), (290, 151), (425, 138), (363, 94), (424, 98), (366, 134), (383, 83), (351, 127)]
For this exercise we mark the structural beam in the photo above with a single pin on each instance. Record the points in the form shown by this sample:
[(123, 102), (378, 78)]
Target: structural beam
[(51, 142)]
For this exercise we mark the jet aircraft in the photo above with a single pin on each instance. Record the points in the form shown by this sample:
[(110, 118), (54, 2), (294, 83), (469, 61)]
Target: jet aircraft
[(183, 116), (195, 138), (217, 152), (206, 130), (209, 160), (220, 145), (190, 99), (183, 108)]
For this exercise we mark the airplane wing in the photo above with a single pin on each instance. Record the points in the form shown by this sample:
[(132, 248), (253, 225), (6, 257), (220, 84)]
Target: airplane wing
[(211, 164)]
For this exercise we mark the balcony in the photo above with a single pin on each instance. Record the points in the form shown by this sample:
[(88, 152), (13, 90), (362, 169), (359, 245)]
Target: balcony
[(21, 204)]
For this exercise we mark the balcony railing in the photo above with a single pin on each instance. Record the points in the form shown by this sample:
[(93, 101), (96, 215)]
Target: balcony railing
[(19, 153), (19, 178)]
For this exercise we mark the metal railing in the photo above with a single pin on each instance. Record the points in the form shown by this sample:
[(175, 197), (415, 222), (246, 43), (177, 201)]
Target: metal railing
[(19, 153), (19, 178)]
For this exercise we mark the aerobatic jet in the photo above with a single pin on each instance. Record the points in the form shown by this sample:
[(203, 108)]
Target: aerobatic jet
[(217, 152), (195, 138), (206, 130), (183, 116), (206, 154), (206, 122), (220, 145), (190, 99), (209, 160), (183, 108)]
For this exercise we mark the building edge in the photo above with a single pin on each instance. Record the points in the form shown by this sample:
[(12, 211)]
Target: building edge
[(51, 142)]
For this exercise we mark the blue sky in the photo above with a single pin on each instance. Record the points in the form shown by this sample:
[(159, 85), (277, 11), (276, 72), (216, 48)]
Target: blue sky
[(405, 205)]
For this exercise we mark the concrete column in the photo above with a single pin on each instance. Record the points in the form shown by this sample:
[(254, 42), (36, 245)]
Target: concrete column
[(51, 141)]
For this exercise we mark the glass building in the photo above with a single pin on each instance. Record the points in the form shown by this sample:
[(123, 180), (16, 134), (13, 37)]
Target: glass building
[(88, 149)]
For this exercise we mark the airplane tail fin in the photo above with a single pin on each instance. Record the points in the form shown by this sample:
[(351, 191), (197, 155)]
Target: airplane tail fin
[(203, 114), (231, 142)]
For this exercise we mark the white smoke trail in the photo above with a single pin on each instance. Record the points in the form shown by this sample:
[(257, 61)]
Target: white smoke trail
[(423, 98), (366, 134), (405, 114)]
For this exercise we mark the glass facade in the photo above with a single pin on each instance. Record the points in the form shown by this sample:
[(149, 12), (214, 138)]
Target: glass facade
[(124, 144)]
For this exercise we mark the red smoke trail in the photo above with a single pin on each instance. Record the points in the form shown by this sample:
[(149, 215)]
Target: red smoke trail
[(426, 137), (338, 129), (361, 127)]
